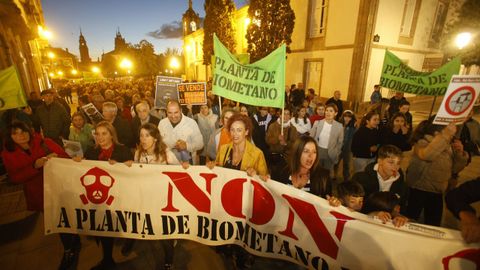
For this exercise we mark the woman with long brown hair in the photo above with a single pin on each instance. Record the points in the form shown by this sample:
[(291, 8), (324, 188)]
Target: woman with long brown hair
[(152, 149), (107, 148), (366, 141), (305, 171)]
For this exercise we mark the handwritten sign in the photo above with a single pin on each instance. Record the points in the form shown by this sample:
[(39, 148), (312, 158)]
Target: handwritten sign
[(192, 93)]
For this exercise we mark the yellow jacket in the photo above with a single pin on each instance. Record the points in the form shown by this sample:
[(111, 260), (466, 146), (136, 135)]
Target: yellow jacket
[(252, 158)]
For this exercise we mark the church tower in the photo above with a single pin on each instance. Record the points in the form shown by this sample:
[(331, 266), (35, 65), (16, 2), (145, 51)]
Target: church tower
[(120, 43), (83, 48), (190, 20)]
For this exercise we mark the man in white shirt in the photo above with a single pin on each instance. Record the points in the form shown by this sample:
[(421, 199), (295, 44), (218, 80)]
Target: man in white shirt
[(181, 133)]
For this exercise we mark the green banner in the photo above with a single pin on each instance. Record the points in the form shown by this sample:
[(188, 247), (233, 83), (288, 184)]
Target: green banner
[(260, 84), (11, 90), (400, 77)]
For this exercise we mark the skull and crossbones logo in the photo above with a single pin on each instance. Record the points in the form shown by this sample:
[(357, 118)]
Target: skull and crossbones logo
[(97, 183)]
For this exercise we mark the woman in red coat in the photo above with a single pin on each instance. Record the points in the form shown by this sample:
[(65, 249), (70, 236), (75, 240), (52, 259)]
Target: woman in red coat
[(24, 156)]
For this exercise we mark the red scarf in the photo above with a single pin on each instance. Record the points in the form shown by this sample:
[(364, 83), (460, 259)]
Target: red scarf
[(106, 154)]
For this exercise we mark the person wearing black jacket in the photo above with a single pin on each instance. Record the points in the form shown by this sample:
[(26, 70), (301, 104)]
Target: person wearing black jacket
[(397, 133), (338, 102), (384, 175), (303, 170), (394, 104), (52, 118), (297, 96), (365, 141), (122, 126), (458, 202), (260, 123), (142, 116), (107, 148)]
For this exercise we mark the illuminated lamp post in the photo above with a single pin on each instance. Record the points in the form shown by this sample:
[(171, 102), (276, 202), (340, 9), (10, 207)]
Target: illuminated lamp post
[(462, 40), (126, 65), (174, 65)]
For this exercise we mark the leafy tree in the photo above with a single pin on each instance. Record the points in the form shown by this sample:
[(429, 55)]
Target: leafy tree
[(219, 19), (172, 52), (146, 61), (271, 24), (465, 20)]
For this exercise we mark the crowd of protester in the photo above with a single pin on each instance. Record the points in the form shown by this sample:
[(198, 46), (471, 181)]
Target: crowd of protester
[(322, 148)]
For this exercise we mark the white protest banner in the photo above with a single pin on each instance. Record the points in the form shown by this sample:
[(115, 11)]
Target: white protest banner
[(223, 206), (459, 99), (165, 90)]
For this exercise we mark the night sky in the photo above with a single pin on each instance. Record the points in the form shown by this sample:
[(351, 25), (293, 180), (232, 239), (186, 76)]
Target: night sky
[(154, 20)]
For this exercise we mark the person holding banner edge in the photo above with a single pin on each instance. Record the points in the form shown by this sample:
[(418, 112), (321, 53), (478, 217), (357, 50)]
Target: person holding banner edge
[(152, 150), (107, 148), (241, 155), (24, 157)]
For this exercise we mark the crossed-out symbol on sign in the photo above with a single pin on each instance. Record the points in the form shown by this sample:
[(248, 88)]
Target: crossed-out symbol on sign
[(460, 100)]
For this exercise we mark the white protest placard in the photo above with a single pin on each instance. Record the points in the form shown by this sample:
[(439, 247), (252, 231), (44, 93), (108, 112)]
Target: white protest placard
[(92, 112), (223, 206), (459, 99), (73, 148)]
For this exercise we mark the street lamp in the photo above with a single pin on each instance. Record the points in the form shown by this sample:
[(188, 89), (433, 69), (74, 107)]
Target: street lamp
[(95, 70), (174, 65), (74, 72), (44, 33), (50, 56), (126, 63), (463, 39)]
